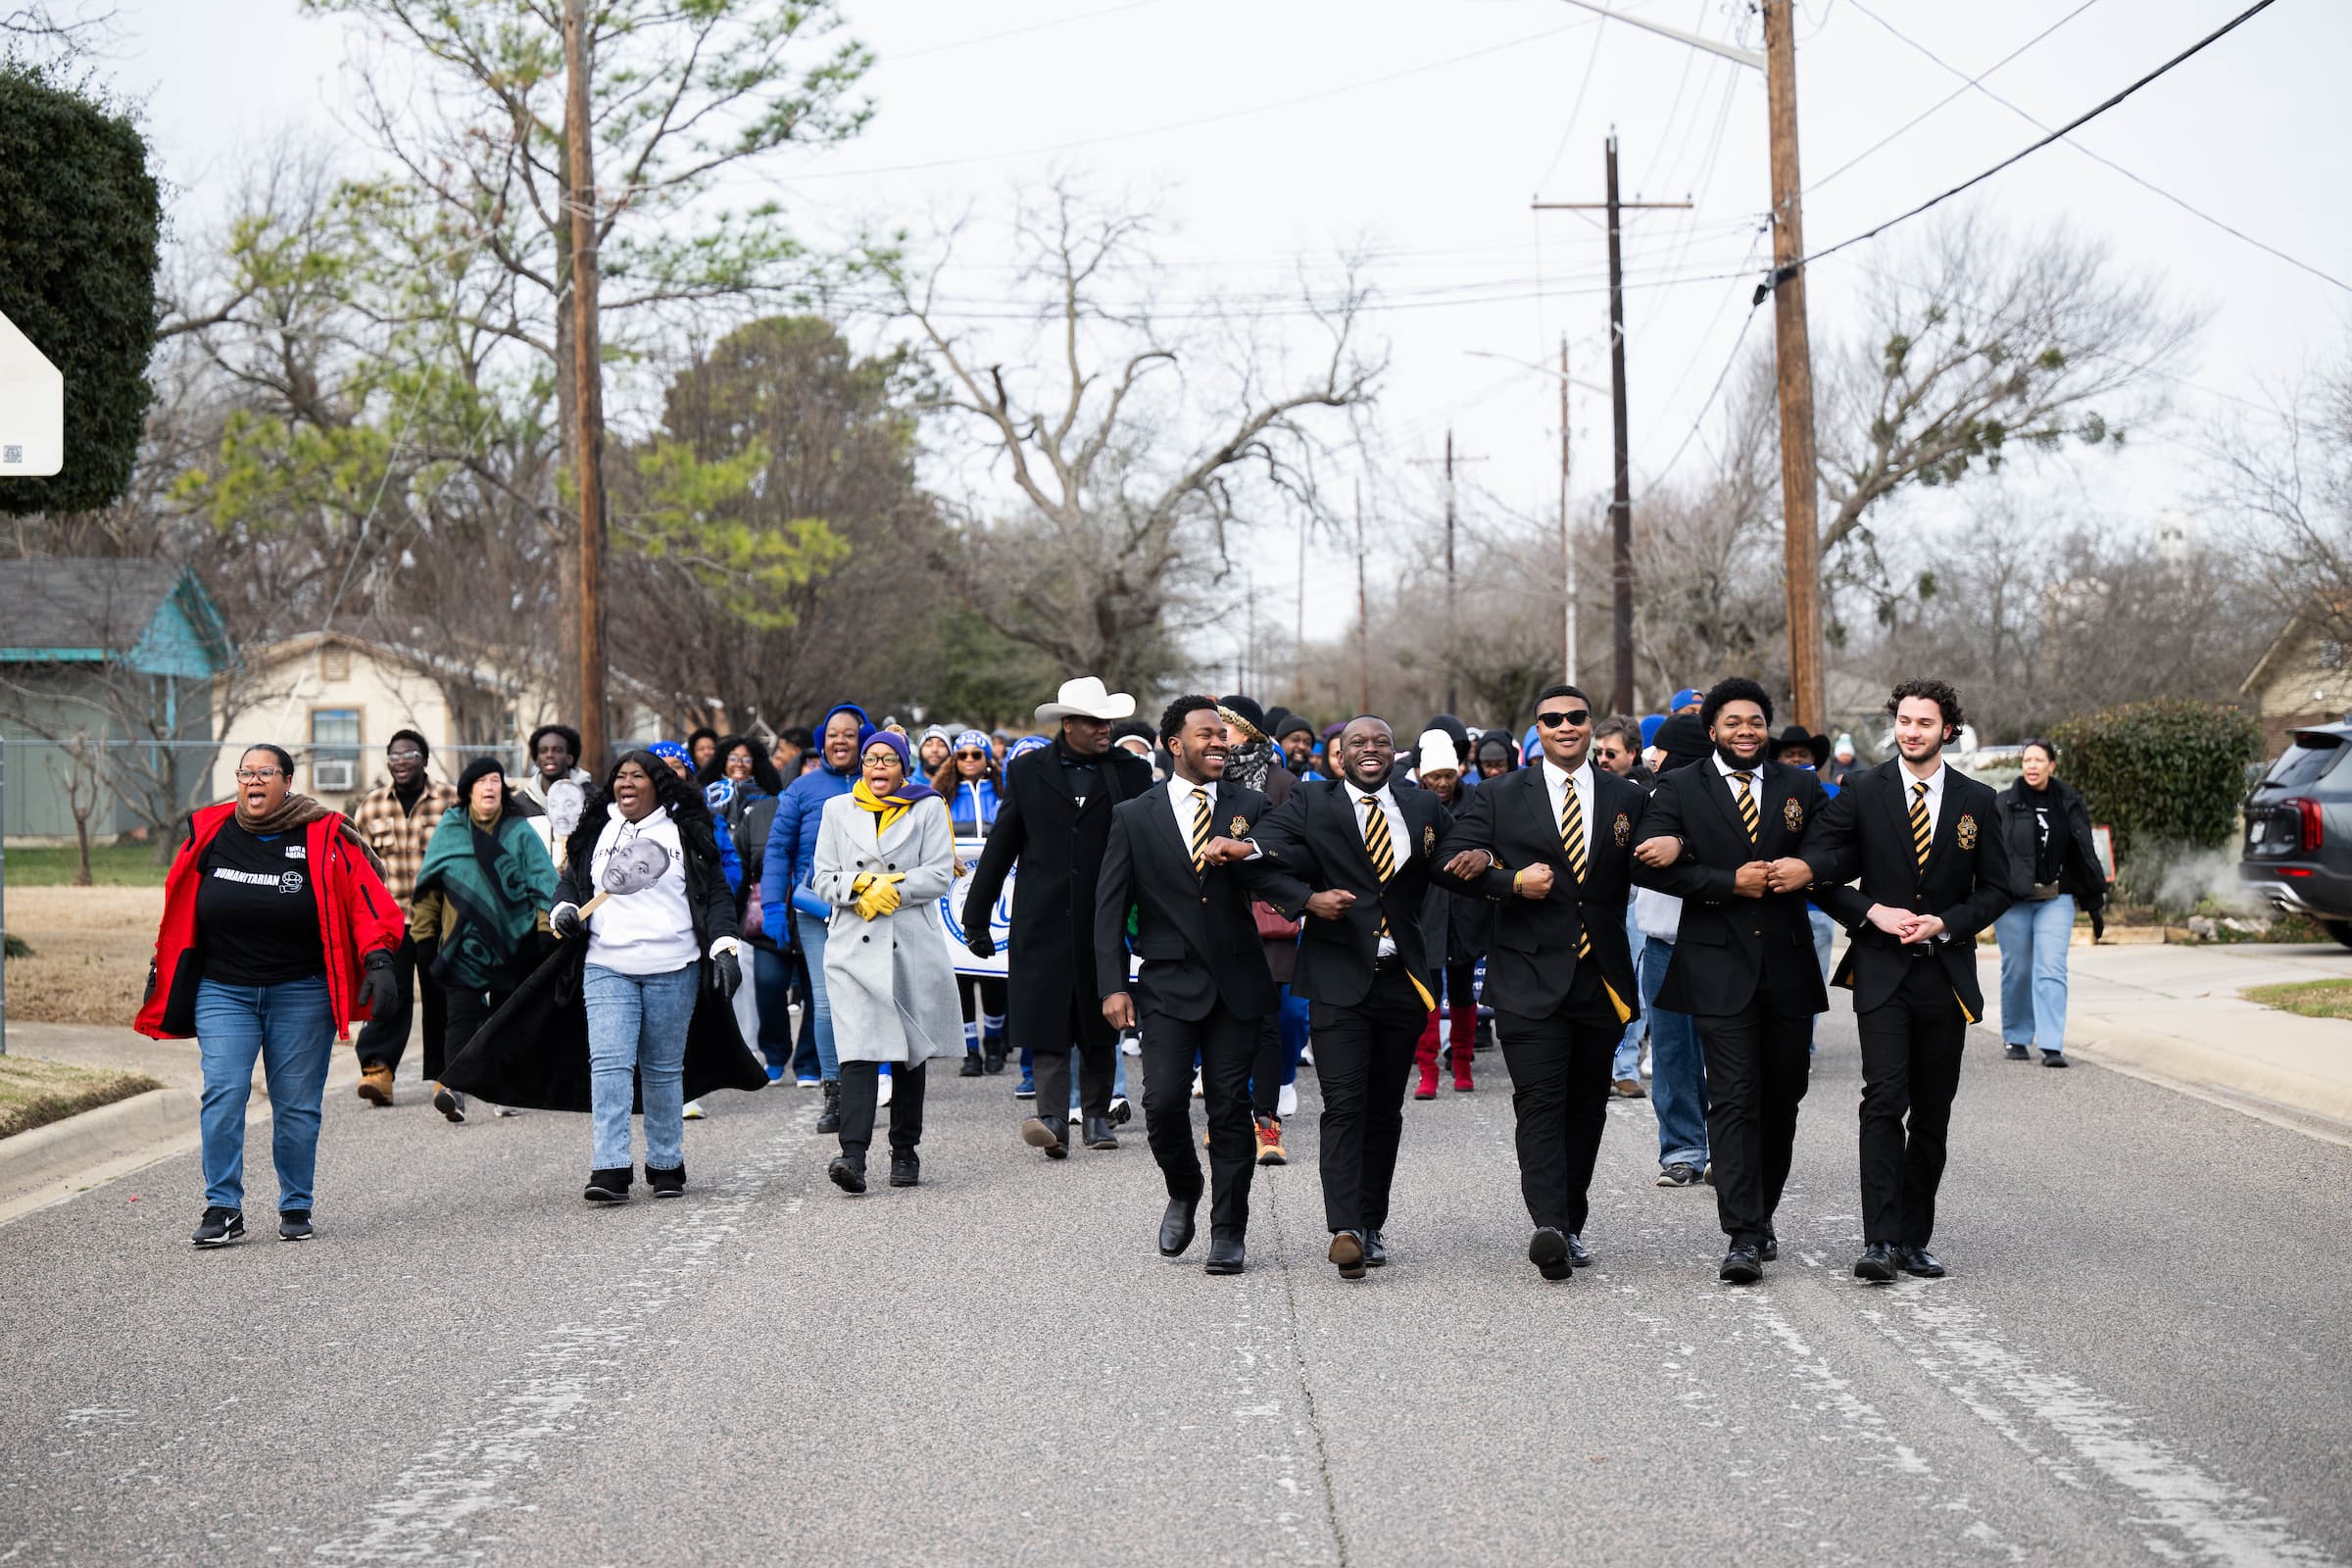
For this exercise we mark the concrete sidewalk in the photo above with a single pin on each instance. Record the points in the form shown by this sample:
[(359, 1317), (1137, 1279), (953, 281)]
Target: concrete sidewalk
[(2176, 1013)]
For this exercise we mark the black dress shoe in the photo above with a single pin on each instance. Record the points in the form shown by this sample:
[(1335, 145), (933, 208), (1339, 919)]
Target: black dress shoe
[(1376, 1249), (1348, 1255), (1877, 1263), (1176, 1226), (1741, 1265), (1097, 1134), (1920, 1261), (971, 1068), (1037, 1133), (2018, 1053), (2053, 1058), (905, 1168), (1547, 1250), (1576, 1250), (847, 1174), (1769, 1248), (1224, 1254)]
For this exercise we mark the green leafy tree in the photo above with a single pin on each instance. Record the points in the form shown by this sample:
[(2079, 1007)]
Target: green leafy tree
[(2167, 776)]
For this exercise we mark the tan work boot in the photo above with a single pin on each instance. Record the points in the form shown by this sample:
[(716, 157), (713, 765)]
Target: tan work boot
[(375, 1083)]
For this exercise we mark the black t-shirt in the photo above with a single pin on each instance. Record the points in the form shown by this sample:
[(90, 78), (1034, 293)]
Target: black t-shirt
[(257, 914)]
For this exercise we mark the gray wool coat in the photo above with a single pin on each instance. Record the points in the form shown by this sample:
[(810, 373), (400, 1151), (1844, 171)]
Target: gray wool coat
[(890, 983)]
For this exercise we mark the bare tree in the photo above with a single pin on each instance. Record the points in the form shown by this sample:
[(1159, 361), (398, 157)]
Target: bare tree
[(1127, 516), (2287, 481)]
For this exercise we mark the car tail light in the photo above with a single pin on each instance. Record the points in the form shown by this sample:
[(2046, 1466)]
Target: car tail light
[(2307, 817)]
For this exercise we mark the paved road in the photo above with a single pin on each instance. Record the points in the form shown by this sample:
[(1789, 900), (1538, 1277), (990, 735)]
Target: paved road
[(2140, 1356)]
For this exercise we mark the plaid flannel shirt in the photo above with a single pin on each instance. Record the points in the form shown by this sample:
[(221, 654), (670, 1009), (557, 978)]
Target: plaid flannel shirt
[(399, 837)]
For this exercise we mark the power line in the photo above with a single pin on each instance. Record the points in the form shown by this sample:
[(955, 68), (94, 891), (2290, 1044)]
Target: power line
[(1576, 105), (1949, 96), (1016, 32), (2097, 158), (1777, 275)]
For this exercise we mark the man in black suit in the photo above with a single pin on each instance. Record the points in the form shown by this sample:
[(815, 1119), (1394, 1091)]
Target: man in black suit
[(1934, 872), (1054, 817), (1559, 839), (1744, 966), (1204, 990), (1368, 847)]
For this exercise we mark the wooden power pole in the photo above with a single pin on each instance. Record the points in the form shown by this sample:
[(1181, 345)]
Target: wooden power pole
[(1453, 625), (1567, 546), (588, 383), (1363, 615), (1621, 496), (1793, 358)]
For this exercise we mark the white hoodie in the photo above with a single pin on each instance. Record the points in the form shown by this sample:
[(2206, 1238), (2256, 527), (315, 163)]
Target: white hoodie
[(648, 932)]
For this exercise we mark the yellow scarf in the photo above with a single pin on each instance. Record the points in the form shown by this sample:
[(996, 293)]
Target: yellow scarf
[(888, 807)]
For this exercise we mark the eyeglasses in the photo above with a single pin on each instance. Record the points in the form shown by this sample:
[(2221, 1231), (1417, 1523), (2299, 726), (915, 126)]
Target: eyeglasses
[(405, 757), (254, 775), (1573, 715)]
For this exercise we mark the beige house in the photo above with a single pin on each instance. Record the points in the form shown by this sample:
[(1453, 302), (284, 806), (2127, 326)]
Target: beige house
[(2303, 678)]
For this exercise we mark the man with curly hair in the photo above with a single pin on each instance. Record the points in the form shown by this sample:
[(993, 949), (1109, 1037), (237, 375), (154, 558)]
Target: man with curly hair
[(1927, 846)]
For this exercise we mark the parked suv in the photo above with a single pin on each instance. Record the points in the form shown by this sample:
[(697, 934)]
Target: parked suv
[(2298, 850)]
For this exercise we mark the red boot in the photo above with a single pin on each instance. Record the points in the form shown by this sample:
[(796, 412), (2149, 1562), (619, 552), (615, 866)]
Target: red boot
[(1462, 1072), (1426, 1055)]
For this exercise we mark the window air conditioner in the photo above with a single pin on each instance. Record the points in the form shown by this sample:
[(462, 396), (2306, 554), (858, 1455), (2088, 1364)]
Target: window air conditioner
[(332, 775)]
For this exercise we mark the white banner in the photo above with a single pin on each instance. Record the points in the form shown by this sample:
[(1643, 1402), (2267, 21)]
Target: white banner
[(1000, 919)]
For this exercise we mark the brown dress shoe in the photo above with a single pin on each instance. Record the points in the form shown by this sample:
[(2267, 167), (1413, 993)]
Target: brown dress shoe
[(1630, 1089), (1348, 1252), (375, 1083)]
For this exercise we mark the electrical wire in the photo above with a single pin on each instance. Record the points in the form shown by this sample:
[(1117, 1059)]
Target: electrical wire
[(2097, 158), (1016, 32), (1773, 277), (1576, 105)]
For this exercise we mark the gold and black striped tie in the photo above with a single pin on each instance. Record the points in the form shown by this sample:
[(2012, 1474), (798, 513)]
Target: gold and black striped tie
[(1572, 840), (1199, 832), (1922, 831), (1380, 848), (1747, 805)]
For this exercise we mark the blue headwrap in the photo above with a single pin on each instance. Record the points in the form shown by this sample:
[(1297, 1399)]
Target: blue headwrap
[(672, 752), (1025, 745)]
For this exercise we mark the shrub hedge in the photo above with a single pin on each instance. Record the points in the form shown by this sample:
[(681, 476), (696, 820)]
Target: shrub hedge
[(2168, 772)]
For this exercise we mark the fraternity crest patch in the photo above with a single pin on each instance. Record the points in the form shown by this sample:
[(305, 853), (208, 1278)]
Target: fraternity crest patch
[(1429, 840), (1968, 831), (1794, 815), (1622, 830), (1240, 827)]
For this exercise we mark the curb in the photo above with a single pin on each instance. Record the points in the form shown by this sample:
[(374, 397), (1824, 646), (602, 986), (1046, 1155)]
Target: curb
[(67, 1147), (2224, 1072)]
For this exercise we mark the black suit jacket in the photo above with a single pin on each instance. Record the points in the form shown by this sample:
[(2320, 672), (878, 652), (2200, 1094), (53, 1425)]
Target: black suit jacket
[(1728, 944), (1866, 833), (1050, 958), (1197, 937), (1531, 961), (1315, 837)]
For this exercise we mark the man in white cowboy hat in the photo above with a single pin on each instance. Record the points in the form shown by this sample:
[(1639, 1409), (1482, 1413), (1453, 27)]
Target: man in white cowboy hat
[(1055, 817)]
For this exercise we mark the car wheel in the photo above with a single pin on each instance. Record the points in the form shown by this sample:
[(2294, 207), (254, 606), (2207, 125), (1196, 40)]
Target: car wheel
[(2341, 930)]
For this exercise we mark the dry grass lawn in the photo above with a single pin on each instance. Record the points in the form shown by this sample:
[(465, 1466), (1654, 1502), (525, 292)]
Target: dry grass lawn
[(2313, 999), (90, 952), (34, 1093)]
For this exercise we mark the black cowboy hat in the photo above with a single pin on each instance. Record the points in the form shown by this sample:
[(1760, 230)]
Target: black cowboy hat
[(1798, 735)]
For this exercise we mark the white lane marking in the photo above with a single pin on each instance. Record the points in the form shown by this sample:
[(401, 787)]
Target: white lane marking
[(2207, 1519), (472, 1470)]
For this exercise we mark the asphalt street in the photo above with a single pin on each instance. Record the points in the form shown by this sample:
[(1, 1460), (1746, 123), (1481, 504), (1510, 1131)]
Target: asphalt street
[(2138, 1356)]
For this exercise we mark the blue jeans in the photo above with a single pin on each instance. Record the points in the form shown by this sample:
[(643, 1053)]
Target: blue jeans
[(637, 1045), (1825, 935), (2034, 938), (1629, 1044), (771, 982), (290, 1029), (1678, 1071), (812, 943), (1119, 1076)]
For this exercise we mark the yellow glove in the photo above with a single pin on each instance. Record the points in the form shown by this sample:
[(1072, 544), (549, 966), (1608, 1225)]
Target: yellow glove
[(880, 898)]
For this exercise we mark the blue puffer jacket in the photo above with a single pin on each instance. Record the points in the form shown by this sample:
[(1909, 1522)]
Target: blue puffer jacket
[(972, 807), (792, 837)]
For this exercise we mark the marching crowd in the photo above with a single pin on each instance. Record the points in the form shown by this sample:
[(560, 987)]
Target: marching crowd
[(1222, 896)]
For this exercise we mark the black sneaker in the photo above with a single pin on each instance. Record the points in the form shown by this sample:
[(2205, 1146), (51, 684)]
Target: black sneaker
[(971, 1065), (2017, 1053), (667, 1183), (608, 1186), (847, 1174), (449, 1102), (905, 1170), (294, 1225), (2053, 1058), (1679, 1174), (219, 1227)]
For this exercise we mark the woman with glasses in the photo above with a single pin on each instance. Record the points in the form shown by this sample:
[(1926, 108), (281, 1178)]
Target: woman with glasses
[(277, 934), (969, 781)]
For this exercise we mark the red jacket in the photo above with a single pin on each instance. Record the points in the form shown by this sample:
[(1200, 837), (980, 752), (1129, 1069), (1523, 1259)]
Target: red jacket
[(356, 918)]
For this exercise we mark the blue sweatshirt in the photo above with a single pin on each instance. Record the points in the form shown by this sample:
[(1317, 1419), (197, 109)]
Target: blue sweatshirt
[(792, 837)]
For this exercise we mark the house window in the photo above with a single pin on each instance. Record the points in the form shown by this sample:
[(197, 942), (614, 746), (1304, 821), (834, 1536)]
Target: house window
[(2331, 653), (334, 662), (334, 749)]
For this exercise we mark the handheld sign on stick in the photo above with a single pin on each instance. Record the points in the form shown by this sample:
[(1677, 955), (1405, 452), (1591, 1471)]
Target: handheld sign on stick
[(635, 867)]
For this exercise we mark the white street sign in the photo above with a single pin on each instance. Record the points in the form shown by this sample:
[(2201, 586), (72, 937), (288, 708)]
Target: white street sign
[(32, 408)]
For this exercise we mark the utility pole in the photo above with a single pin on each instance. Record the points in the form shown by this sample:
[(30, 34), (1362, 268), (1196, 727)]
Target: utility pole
[(588, 381), (1792, 356), (1621, 503), (1567, 548), (1363, 614), (1453, 627)]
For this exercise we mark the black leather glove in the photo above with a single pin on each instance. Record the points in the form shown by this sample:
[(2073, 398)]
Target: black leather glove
[(979, 943), (726, 973), (379, 987), (566, 919)]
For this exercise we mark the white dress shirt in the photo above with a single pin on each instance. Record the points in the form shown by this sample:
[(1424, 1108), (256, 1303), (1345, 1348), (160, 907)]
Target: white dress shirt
[(1179, 801), (1557, 783), (1400, 843), (1934, 783)]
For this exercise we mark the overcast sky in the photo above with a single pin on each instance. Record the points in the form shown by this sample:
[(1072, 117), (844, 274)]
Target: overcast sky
[(1267, 129)]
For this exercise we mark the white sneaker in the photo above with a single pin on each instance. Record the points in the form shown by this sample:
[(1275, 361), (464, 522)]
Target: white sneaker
[(1286, 1103), (1077, 1117), (1131, 1044), (1644, 1060), (694, 1110), (504, 1111), (882, 1091), (1306, 1056), (1199, 1090)]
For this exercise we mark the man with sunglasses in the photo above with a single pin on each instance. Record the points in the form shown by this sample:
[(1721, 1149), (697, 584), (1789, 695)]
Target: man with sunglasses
[(1557, 839)]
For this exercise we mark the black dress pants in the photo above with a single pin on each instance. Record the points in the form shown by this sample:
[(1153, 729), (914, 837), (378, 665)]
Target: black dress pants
[(462, 1013), (1561, 1098), (1758, 1064), (861, 1087), (1910, 1069), (1098, 1057), (1227, 1045), (1364, 1058), (384, 1037)]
